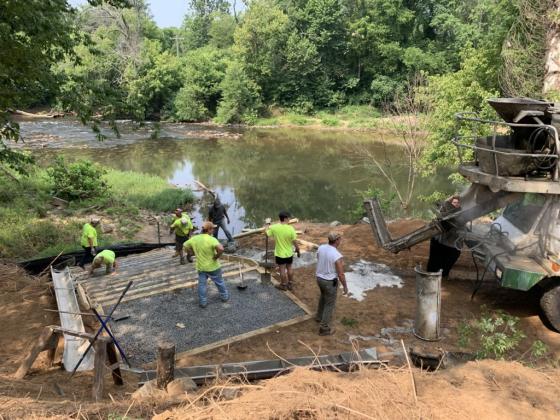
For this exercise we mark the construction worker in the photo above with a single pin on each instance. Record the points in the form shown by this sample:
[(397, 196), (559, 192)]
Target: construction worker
[(443, 247), (107, 258), (182, 226), (218, 215), (330, 270), (89, 241), (207, 250), (284, 244)]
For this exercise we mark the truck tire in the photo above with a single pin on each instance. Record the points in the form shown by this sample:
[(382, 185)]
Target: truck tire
[(550, 305)]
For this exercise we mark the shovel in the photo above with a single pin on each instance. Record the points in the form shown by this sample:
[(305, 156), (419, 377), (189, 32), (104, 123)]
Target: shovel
[(242, 285)]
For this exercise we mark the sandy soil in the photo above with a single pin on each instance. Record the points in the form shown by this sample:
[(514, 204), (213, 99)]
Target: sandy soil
[(48, 390), (384, 307)]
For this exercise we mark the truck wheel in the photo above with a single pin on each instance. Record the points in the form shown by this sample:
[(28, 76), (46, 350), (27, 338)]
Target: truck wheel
[(550, 304)]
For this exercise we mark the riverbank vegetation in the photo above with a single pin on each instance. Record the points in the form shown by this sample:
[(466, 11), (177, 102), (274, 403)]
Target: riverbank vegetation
[(32, 225)]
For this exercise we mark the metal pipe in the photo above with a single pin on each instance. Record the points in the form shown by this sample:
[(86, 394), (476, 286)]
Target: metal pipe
[(428, 305)]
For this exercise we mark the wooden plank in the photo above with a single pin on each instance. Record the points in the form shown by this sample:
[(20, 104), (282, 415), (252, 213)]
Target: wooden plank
[(293, 297), (40, 345), (245, 336), (179, 284), (118, 283), (72, 333), (260, 230)]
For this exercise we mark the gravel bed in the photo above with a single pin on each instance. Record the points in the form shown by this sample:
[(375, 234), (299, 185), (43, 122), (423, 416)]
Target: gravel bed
[(176, 316)]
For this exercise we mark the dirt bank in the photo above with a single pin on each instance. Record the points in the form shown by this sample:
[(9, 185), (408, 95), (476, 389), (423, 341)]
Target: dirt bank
[(478, 390)]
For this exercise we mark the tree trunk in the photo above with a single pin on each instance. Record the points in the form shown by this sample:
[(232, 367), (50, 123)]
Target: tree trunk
[(552, 58)]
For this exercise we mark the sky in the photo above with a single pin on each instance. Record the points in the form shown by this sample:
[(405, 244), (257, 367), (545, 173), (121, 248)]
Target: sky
[(166, 13)]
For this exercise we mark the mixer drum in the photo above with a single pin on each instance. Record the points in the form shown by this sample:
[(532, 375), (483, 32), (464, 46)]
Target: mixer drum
[(508, 165)]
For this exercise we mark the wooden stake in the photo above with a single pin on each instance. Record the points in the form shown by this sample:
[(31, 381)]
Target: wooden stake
[(41, 344), (52, 346), (410, 371), (165, 364), (100, 348)]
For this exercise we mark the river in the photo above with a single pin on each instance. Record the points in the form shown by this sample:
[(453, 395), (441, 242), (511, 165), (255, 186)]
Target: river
[(314, 174)]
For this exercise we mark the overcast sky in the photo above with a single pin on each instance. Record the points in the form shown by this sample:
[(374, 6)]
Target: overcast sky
[(166, 13)]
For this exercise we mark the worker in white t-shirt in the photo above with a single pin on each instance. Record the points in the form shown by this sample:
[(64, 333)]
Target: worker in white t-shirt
[(330, 269)]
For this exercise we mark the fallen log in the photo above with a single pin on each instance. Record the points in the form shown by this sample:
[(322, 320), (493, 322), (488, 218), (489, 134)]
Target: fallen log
[(31, 115)]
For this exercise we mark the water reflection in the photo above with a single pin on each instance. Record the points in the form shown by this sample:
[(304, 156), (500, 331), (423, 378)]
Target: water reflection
[(312, 174)]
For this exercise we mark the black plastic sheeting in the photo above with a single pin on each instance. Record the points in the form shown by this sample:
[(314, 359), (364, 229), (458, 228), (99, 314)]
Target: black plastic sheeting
[(71, 258)]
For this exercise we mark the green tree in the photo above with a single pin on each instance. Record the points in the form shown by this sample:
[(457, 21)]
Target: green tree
[(203, 72), (240, 96), (197, 26)]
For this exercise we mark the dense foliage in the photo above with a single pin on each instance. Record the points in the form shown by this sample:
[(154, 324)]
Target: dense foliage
[(78, 180), (304, 55)]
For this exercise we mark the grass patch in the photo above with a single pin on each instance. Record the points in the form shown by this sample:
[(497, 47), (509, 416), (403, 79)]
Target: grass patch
[(350, 116), (349, 322), (298, 119), (146, 191)]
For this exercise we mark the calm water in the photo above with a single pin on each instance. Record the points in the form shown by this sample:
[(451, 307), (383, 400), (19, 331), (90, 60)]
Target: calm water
[(316, 175)]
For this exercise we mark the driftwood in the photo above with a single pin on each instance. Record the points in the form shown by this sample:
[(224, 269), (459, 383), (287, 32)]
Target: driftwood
[(31, 115), (260, 230)]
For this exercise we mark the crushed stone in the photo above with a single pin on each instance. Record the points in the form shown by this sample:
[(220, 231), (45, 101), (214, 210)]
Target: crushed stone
[(155, 318)]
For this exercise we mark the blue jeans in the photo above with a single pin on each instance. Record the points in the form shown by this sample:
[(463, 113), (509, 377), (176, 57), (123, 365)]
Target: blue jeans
[(222, 224), (218, 280)]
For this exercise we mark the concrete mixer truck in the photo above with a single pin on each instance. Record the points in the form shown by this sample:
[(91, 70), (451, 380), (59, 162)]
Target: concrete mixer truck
[(512, 166)]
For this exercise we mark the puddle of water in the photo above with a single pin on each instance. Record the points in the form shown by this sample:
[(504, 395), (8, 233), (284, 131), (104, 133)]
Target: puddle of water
[(367, 275)]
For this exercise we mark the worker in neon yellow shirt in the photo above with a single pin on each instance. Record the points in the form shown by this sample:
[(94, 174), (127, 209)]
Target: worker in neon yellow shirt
[(88, 241), (285, 243), (207, 250), (106, 258), (182, 226)]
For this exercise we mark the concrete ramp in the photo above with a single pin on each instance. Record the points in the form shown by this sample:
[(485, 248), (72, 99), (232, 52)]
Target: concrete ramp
[(66, 301)]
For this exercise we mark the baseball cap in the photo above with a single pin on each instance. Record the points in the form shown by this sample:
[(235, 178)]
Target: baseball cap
[(333, 236)]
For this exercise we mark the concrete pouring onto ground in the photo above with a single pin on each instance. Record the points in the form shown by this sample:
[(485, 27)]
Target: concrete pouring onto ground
[(162, 317)]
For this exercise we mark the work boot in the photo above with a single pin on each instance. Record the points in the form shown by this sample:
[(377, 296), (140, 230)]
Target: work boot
[(189, 259), (326, 331), (182, 262), (203, 305)]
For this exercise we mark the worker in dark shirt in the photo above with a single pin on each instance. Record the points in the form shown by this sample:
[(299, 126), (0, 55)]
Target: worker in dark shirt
[(444, 251), (218, 215)]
